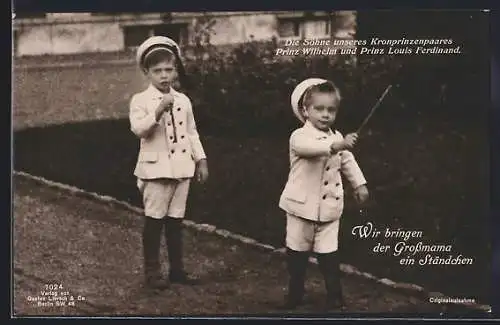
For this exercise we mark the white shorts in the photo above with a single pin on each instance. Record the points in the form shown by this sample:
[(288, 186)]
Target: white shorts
[(164, 197), (307, 235)]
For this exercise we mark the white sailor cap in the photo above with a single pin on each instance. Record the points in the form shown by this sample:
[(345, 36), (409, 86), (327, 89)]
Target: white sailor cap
[(299, 91), (155, 43)]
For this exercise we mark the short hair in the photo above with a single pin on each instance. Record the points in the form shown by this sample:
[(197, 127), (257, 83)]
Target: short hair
[(325, 87), (157, 55)]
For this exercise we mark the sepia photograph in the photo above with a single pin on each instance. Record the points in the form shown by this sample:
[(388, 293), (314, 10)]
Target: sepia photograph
[(316, 164)]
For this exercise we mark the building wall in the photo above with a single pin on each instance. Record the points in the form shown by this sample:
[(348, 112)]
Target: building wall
[(85, 32), (237, 29), (70, 39)]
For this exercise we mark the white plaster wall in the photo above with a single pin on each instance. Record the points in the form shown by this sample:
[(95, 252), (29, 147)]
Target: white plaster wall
[(238, 29), (63, 34), (69, 38)]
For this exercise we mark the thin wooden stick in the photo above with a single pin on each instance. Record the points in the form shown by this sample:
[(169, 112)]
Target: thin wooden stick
[(374, 108)]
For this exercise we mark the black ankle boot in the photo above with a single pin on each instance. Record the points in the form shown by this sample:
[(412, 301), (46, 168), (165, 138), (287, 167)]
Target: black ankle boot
[(154, 279), (329, 265), (151, 240), (183, 278), (173, 236), (297, 266)]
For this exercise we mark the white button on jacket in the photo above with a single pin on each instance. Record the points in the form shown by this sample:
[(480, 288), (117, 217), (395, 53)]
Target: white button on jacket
[(168, 148), (314, 188)]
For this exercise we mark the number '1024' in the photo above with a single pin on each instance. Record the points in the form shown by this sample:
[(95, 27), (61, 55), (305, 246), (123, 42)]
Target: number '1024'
[(53, 286)]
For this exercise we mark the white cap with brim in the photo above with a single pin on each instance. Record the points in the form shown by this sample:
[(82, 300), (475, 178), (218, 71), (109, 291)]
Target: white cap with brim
[(299, 91), (157, 42)]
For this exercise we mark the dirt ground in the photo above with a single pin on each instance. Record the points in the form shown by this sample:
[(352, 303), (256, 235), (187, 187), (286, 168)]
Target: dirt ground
[(91, 251)]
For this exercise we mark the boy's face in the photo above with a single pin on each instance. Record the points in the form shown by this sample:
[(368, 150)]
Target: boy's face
[(162, 74), (322, 110)]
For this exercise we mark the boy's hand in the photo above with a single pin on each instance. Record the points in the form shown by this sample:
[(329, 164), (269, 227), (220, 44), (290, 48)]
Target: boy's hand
[(167, 101), (361, 194), (348, 143), (350, 140), (166, 104), (202, 171)]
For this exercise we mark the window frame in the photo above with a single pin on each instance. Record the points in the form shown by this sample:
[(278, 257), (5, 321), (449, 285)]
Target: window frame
[(182, 38), (299, 27), (301, 22)]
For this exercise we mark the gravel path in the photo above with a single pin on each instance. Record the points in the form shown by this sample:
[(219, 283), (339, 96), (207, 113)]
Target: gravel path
[(93, 252)]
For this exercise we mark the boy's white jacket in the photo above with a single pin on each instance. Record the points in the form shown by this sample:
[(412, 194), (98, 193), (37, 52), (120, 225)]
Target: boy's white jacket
[(159, 156), (314, 189)]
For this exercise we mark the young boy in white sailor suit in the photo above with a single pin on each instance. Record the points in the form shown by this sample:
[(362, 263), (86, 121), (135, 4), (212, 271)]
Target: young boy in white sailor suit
[(170, 154), (313, 197)]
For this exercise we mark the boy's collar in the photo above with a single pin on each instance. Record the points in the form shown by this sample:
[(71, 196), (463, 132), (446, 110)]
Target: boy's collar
[(314, 131), (156, 93)]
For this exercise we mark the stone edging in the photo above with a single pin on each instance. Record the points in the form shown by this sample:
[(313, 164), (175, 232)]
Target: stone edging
[(346, 268)]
